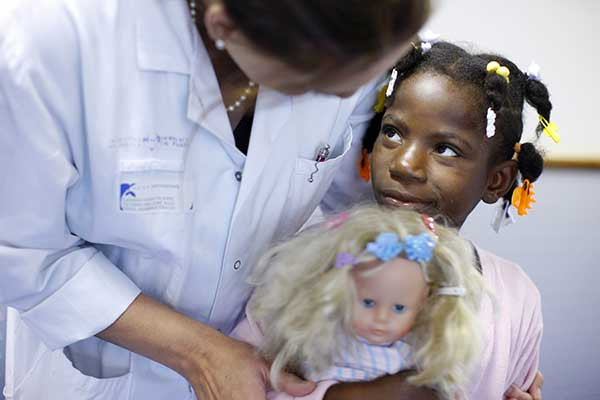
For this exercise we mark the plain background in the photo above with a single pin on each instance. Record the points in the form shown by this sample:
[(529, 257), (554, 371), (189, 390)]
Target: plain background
[(557, 244)]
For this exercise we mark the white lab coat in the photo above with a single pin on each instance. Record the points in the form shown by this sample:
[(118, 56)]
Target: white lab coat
[(120, 175)]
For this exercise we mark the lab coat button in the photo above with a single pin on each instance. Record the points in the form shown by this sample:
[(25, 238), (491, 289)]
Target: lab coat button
[(237, 265), (238, 176)]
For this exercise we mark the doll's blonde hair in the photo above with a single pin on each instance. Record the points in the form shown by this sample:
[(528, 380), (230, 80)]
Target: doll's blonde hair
[(303, 303)]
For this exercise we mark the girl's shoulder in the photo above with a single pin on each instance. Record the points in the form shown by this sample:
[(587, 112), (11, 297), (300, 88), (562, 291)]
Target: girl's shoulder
[(505, 276)]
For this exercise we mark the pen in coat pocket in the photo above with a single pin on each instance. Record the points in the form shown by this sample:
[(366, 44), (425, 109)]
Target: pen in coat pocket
[(321, 156)]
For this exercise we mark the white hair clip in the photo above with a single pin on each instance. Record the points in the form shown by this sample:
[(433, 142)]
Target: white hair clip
[(428, 39), (391, 83), (490, 129), (534, 71), (503, 216), (451, 291)]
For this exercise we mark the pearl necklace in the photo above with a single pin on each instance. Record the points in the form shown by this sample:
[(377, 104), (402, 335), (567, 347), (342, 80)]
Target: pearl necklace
[(251, 85), (193, 10)]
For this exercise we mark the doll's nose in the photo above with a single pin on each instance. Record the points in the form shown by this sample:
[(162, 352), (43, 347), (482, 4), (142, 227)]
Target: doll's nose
[(381, 316)]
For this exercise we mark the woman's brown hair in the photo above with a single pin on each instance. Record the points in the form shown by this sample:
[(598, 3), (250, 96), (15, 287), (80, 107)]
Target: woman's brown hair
[(303, 32)]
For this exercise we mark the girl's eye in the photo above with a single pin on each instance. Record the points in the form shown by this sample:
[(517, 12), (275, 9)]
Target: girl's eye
[(391, 133), (446, 151), (368, 303), (398, 309)]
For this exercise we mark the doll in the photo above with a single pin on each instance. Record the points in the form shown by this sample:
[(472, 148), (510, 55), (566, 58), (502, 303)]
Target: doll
[(369, 293)]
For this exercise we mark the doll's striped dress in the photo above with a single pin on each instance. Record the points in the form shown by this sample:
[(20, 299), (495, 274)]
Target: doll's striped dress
[(364, 361)]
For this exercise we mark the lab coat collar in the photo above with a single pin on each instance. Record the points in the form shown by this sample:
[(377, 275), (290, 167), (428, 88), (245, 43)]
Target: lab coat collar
[(167, 41), (164, 36)]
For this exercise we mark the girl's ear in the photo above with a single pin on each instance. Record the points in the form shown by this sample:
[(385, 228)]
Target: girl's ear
[(217, 22), (500, 180)]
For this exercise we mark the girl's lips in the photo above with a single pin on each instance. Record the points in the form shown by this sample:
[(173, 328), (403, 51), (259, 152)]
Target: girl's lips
[(399, 203), (395, 200)]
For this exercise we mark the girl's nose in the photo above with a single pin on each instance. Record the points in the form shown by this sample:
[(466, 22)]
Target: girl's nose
[(409, 163)]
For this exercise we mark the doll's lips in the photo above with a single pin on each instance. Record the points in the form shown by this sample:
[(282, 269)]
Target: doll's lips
[(378, 336), (378, 333)]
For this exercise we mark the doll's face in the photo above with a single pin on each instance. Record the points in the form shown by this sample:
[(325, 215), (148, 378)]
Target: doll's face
[(388, 300)]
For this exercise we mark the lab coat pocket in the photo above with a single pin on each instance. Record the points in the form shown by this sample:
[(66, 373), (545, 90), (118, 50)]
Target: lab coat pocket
[(151, 186), (54, 377), (311, 180)]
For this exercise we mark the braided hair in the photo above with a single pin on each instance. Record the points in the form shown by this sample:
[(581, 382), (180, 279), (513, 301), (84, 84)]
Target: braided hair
[(505, 97)]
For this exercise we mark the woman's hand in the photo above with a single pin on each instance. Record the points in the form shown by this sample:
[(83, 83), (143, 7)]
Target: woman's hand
[(229, 369)]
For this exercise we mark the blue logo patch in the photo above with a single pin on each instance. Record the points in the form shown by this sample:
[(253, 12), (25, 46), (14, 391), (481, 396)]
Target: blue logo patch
[(126, 191)]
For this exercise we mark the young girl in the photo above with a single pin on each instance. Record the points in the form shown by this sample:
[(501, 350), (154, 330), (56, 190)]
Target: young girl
[(448, 136), (342, 301)]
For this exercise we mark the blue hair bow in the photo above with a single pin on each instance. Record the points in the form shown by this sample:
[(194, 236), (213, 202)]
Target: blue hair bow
[(387, 245), (419, 248)]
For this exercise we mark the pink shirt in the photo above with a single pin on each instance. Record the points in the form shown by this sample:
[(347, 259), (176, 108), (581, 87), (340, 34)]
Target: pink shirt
[(512, 330), (512, 325)]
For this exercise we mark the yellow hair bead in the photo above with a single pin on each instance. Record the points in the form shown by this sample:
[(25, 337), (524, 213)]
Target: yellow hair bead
[(380, 106), (503, 72), (492, 66)]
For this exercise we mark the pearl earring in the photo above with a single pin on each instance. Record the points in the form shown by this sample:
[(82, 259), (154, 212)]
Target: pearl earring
[(220, 44)]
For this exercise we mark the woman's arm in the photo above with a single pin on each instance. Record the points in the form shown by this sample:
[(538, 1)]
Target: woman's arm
[(196, 351), (201, 354)]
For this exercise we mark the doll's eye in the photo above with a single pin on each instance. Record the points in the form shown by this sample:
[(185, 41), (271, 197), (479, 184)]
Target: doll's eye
[(368, 303), (398, 309)]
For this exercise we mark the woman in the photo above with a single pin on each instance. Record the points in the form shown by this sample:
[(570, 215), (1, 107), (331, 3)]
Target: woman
[(155, 147)]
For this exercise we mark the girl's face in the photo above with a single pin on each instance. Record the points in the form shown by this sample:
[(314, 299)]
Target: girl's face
[(432, 154), (388, 300)]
